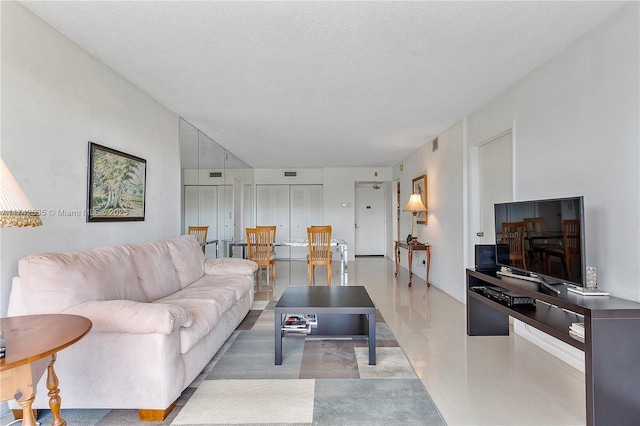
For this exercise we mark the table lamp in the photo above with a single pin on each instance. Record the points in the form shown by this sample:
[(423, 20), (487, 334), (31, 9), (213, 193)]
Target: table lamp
[(414, 206), (15, 207)]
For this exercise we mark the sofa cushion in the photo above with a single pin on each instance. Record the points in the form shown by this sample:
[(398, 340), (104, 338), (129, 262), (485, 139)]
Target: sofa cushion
[(230, 266), (155, 270), (53, 282), (188, 259), (239, 284), (206, 304), (126, 316)]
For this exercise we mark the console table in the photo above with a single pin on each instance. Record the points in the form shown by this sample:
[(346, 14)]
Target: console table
[(32, 343), (411, 247), (611, 343)]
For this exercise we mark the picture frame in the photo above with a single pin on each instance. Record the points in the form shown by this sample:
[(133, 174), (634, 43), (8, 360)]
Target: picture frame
[(116, 185), (419, 186)]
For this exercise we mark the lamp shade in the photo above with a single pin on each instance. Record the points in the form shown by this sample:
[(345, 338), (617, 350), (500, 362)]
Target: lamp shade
[(415, 204), (15, 207)]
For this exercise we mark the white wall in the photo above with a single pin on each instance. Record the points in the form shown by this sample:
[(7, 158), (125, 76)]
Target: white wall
[(55, 98), (445, 178), (339, 185), (577, 133), (576, 123)]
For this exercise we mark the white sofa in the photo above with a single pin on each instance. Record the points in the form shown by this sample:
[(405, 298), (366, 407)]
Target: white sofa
[(160, 312)]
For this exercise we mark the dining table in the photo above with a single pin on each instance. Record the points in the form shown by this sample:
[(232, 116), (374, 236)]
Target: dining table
[(339, 244)]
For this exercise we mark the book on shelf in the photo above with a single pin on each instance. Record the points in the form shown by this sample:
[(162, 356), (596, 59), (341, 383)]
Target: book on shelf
[(576, 336), (299, 323), (576, 330)]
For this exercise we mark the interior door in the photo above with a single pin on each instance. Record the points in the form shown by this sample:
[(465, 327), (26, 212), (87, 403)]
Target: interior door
[(496, 181), (370, 221)]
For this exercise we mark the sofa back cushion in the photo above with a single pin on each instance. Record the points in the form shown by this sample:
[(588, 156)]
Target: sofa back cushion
[(53, 282), (155, 269), (188, 259)]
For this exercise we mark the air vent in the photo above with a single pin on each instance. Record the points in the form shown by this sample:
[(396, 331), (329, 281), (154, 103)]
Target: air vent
[(434, 145), (290, 174), (215, 174)]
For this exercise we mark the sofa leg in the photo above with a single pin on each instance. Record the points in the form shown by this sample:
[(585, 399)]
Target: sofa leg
[(155, 415)]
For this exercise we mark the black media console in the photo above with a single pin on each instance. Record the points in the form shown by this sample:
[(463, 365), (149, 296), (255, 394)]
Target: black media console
[(611, 343)]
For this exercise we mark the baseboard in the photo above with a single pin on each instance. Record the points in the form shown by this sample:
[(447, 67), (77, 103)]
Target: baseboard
[(558, 348)]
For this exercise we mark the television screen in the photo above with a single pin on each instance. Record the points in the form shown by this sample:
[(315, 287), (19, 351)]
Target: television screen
[(544, 237)]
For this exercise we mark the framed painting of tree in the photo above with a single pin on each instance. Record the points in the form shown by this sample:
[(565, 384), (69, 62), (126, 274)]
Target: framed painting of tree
[(116, 185)]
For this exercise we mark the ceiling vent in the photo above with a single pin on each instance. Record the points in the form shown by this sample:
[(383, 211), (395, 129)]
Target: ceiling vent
[(215, 174), (290, 174)]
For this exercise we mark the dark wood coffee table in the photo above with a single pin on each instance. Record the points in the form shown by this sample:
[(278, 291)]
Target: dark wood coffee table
[(341, 310)]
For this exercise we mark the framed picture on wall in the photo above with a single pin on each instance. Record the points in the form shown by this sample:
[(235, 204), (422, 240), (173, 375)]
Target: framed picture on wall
[(420, 187), (116, 185)]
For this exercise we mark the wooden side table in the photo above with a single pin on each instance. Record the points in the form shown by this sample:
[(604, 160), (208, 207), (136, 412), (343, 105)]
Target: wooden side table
[(32, 343), (411, 247)]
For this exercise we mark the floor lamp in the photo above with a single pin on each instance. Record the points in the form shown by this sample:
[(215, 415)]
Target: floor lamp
[(414, 206)]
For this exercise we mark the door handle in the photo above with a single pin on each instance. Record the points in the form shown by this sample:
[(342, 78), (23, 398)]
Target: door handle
[(480, 234)]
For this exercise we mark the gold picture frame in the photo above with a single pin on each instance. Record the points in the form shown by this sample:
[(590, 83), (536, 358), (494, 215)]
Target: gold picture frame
[(419, 186), (117, 185)]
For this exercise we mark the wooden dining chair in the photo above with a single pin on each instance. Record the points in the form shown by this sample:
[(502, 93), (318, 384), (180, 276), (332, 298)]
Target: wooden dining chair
[(200, 232), (319, 239), (259, 249), (272, 229), (570, 248), (513, 235)]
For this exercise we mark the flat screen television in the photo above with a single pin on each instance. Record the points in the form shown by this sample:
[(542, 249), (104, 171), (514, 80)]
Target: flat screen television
[(543, 238)]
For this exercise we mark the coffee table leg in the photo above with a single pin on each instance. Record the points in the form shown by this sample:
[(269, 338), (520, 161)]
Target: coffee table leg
[(372, 339), (278, 338)]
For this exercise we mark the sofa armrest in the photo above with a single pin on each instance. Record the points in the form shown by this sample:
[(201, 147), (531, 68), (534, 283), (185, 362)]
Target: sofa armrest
[(128, 316), (230, 266)]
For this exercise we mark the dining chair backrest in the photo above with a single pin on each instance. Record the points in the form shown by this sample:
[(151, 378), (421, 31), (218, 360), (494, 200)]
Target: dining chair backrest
[(200, 232), (259, 248), (258, 243), (272, 230), (319, 238), (319, 247)]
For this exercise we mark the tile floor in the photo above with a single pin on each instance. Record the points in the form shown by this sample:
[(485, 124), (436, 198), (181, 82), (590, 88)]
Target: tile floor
[(473, 380)]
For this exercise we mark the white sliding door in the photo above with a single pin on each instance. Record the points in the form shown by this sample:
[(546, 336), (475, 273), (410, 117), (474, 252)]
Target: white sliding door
[(292, 208), (272, 208)]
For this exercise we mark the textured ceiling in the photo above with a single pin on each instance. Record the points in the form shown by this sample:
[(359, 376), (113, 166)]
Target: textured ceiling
[(323, 84)]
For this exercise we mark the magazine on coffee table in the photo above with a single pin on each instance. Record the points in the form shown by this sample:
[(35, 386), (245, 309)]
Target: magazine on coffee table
[(300, 323)]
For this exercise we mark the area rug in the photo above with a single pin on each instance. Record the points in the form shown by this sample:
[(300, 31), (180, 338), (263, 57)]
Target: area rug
[(320, 382)]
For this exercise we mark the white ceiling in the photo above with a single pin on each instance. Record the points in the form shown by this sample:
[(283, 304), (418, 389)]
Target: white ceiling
[(323, 84)]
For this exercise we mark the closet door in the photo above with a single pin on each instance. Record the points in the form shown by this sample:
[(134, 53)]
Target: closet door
[(305, 210), (272, 208)]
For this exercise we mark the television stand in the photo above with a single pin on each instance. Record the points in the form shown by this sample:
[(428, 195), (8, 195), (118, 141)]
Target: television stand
[(611, 342), (532, 278)]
